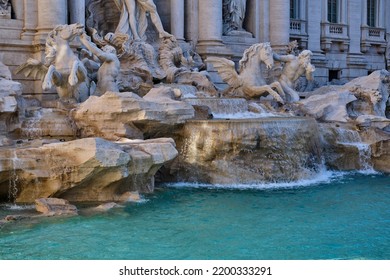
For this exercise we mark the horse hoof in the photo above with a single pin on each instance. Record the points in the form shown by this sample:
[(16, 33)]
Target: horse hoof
[(73, 80), (47, 86)]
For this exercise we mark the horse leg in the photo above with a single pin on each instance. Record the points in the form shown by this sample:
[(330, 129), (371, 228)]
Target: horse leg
[(57, 79), (47, 81), (82, 72), (279, 89), (260, 90), (73, 79)]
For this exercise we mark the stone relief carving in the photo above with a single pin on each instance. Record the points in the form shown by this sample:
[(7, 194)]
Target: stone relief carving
[(62, 68), (293, 68), (233, 17), (5, 9), (249, 82)]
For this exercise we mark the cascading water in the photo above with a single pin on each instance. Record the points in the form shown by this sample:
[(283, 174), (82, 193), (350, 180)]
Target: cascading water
[(221, 105), (246, 151), (13, 178), (228, 108), (351, 138)]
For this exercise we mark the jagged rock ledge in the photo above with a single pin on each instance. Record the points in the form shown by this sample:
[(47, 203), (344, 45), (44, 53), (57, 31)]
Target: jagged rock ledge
[(90, 169)]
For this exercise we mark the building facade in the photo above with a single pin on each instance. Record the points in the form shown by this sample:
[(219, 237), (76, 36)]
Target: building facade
[(348, 38)]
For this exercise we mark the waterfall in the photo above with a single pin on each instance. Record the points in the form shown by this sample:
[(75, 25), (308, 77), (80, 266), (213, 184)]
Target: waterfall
[(13, 178), (228, 108), (221, 105), (248, 151), (351, 138), (31, 126)]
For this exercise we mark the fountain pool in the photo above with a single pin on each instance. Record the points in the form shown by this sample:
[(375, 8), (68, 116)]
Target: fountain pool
[(336, 216)]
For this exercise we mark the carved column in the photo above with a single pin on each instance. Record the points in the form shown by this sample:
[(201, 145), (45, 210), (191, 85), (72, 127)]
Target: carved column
[(279, 23), (191, 21), (355, 8), (30, 19), (316, 15), (177, 19), (18, 8), (50, 14), (210, 28), (77, 11), (263, 21)]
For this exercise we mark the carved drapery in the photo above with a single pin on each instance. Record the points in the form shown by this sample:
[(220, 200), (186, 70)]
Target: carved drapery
[(233, 15)]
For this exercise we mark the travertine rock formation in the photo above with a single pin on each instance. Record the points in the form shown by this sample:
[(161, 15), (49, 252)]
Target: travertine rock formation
[(381, 156), (372, 93), (115, 115), (90, 169), (54, 206), (368, 95), (328, 107)]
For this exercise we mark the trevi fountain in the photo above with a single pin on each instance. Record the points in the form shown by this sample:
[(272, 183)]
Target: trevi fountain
[(149, 150)]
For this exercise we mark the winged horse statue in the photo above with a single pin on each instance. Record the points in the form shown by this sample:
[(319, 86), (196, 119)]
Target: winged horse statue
[(62, 68), (249, 81)]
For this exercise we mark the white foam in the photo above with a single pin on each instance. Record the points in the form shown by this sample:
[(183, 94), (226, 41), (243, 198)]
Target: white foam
[(243, 115), (324, 177), (19, 207)]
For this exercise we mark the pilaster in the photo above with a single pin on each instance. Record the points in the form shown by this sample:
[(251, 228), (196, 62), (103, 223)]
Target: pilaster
[(192, 21), (50, 14), (177, 19), (210, 29), (314, 15), (30, 19), (279, 24), (77, 11)]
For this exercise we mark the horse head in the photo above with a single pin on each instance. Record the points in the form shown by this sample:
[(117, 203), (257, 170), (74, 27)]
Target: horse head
[(69, 32), (266, 55), (257, 53)]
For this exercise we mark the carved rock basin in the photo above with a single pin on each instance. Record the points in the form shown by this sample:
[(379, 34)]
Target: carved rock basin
[(247, 151)]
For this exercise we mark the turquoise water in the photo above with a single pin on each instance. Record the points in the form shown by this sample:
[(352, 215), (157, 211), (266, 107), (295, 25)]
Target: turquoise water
[(347, 217)]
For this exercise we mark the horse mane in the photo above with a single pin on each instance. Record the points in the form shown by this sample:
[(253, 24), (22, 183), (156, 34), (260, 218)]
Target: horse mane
[(249, 53), (50, 49)]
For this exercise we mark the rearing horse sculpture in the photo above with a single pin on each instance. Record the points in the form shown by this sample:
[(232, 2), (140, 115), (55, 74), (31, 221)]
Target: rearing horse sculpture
[(249, 82), (62, 68)]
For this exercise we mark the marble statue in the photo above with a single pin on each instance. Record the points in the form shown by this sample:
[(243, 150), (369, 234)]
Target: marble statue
[(387, 55), (183, 67), (62, 68), (109, 68), (5, 9), (294, 67), (133, 20), (233, 16), (250, 82)]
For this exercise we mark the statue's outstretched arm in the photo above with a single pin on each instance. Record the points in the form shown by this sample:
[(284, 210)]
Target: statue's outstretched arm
[(84, 38), (283, 58)]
